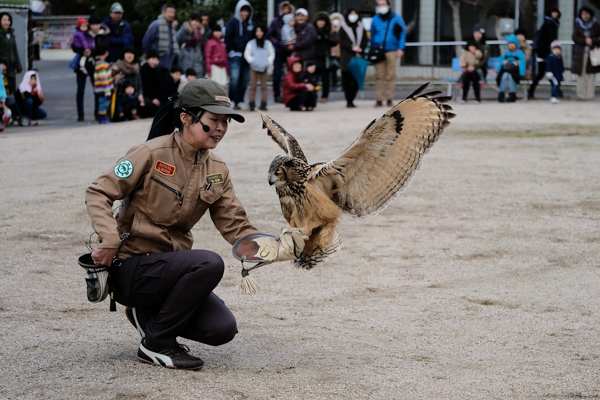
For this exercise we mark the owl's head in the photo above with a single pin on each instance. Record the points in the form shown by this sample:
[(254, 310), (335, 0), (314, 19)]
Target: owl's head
[(287, 171)]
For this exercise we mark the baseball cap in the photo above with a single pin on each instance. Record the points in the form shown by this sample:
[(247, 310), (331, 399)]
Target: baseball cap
[(302, 11), (210, 96), (116, 7)]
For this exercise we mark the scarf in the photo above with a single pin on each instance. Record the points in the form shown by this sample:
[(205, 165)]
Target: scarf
[(552, 21), (356, 40), (25, 86), (584, 26), (126, 68), (195, 39), (163, 37)]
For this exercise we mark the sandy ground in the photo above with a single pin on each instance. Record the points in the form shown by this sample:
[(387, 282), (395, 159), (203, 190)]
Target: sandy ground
[(481, 281)]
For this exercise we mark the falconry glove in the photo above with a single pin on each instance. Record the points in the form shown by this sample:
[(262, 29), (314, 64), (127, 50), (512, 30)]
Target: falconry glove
[(289, 246)]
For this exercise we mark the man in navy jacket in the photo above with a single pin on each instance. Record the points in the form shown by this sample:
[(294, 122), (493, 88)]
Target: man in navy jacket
[(389, 27), (239, 30), (120, 35)]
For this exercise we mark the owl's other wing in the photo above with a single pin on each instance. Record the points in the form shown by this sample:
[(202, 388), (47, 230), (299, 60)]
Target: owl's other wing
[(286, 141), (373, 170)]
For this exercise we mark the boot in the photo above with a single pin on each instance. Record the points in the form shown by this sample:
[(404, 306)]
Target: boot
[(512, 97), (501, 97), (252, 106), (263, 106), (80, 116)]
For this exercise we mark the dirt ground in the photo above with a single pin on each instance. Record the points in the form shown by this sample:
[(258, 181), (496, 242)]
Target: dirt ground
[(481, 281)]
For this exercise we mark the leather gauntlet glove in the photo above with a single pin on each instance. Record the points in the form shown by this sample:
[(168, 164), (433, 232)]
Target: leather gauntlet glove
[(289, 246)]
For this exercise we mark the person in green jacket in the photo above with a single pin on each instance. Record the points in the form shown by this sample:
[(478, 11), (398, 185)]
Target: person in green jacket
[(8, 50)]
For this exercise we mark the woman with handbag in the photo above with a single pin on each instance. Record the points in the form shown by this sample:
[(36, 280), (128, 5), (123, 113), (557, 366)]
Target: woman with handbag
[(388, 37), (586, 52), (353, 41)]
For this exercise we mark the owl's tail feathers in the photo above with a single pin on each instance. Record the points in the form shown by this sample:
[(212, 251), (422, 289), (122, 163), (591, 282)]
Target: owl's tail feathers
[(309, 261)]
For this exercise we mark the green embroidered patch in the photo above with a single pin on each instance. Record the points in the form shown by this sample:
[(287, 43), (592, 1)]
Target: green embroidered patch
[(124, 169)]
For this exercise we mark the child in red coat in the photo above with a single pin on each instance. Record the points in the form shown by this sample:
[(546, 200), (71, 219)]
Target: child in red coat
[(215, 54), (298, 96)]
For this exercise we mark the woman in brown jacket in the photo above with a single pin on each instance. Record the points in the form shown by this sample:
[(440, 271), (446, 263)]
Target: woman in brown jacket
[(586, 35), (165, 186)]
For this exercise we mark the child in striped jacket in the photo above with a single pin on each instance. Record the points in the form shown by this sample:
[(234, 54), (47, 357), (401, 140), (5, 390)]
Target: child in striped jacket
[(103, 83)]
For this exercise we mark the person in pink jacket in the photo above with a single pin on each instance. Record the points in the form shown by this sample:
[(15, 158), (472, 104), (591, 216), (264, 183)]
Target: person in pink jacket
[(215, 54)]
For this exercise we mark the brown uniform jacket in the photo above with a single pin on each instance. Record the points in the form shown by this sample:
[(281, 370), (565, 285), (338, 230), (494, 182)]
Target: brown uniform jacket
[(169, 185)]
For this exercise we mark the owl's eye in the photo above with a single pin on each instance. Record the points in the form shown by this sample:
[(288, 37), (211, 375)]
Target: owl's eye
[(278, 173)]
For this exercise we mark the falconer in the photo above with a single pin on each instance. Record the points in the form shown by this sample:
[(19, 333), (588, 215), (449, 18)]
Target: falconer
[(165, 186)]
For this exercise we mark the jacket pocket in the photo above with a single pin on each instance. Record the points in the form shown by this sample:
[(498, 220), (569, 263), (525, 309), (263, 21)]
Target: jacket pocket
[(164, 200), (211, 195)]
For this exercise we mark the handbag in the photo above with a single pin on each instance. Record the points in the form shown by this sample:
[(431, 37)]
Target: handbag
[(595, 56), (377, 54), (74, 64)]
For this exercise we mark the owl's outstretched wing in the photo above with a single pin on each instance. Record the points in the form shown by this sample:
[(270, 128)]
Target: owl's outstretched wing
[(372, 172), (286, 141)]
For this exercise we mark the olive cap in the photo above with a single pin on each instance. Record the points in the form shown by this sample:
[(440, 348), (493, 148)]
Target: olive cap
[(208, 95)]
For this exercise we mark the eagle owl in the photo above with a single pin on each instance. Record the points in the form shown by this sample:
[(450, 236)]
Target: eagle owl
[(361, 181)]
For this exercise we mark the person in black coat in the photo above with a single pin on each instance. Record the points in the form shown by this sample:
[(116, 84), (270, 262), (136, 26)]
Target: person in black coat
[(306, 37), (325, 41), (154, 79), (541, 45)]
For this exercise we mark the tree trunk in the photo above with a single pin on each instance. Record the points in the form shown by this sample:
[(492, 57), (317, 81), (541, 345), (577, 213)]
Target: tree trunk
[(456, 26), (313, 8)]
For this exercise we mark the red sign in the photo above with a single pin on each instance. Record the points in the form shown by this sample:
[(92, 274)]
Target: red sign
[(165, 168)]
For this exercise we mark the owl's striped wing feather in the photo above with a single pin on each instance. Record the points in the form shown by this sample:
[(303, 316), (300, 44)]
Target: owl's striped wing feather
[(286, 141), (380, 163)]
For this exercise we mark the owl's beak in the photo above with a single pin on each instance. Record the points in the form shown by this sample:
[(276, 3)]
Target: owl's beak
[(272, 180)]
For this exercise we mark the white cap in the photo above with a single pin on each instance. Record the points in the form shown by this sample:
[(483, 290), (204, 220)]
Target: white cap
[(116, 7), (302, 11)]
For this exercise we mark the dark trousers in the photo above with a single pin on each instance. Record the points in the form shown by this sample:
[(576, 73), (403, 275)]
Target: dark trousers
[(541, 73), (172, 294), (81, 79), (350, 86), (278, 63), (334, 78), (303, 99), (323, 74), (468, 79)]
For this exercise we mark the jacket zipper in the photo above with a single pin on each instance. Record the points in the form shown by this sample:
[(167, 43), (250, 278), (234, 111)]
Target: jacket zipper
[(177, 192), (198, 154)]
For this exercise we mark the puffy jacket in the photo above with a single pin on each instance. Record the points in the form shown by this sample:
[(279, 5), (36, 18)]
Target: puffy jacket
[(395, 35), (8, 50), (545, 36), (290, 86), (515, 57), (119, 37), (556, 66), (168, 185), (274, 31), (238, 33), (306, 37), (325, 41), (215, 53), (579, 49)]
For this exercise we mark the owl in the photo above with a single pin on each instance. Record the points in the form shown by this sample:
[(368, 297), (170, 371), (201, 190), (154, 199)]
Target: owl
[(361, 181)]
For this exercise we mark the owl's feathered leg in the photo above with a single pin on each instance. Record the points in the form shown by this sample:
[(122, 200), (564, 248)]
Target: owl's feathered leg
[(322, 243)]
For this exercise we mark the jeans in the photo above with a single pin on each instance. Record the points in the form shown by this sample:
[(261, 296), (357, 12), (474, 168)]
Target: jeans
[(103, 103), (34, 113), (280, 58), (323, 73), (239, 71), (508, 81), (555, 89)]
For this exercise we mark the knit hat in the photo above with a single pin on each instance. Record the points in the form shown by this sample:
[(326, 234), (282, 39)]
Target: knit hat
[(94, 19), (310, 64), (513, 39), (81, 21), (521, 31), (479, 27), (554, 44)]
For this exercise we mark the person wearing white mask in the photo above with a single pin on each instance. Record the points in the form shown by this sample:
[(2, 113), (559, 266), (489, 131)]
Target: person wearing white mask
[(353, 41), (334, 65), (388, 31)]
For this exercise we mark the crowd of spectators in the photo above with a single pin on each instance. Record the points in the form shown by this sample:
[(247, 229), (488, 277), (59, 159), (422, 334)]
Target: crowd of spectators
[(302, 53)]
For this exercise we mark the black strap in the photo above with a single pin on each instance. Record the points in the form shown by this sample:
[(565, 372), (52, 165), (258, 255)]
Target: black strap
[(386, 32)]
